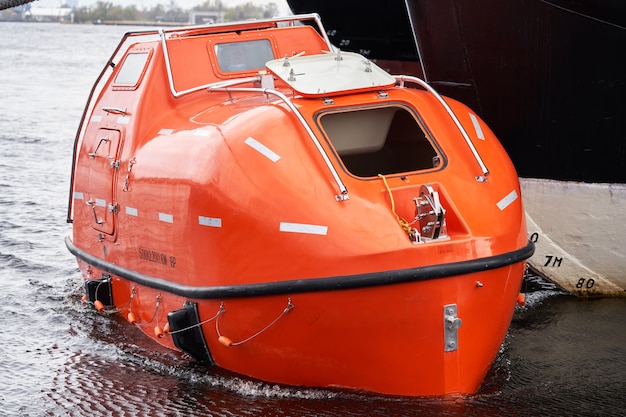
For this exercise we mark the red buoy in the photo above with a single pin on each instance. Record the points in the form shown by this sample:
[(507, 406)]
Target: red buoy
[(131, 318), (521, 299)]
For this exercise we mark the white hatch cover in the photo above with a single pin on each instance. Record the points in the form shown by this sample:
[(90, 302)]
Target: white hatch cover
[(330, 74)]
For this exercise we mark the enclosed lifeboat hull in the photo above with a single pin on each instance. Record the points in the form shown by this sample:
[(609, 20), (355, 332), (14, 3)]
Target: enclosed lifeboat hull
[(313, 221)]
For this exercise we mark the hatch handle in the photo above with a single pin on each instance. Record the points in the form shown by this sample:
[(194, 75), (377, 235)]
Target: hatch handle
[(115, 110), (95, 215), (104, 139)]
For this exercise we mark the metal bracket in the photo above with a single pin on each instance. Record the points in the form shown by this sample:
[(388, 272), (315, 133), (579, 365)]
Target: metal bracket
[(430, 214), (126, 186), (114, 208), (342, 197), (451, 325)]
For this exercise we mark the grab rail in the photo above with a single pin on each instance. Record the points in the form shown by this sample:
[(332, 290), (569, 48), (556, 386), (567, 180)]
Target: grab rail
[(223, 86), (89, 107), (343, 191), (289, 19), (422, 83)]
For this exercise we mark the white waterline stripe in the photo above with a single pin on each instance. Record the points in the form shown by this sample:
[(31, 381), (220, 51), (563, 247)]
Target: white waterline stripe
[(210, 221), (264, 150), (164, 217), (506, 201), (479, 130), (311, 229)]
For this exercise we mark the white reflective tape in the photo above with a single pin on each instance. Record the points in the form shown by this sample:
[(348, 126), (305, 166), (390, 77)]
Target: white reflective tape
[(100, 202), (264, 150), (166, 131), (123, 120), (506, 201), (201, 132), (96, 119), (132, 211), (78, 195), (167, 218), (311, 229), (210, 221), (479, 130)]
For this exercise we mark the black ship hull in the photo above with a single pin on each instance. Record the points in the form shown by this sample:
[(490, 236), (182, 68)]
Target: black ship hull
[(549, 77)]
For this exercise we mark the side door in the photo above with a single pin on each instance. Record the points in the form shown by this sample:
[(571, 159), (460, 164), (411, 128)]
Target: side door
[(103, 168)]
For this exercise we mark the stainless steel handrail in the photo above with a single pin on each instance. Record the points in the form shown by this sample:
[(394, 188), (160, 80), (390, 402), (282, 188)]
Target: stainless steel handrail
[(468, 140), (213, 28), (343, 191)]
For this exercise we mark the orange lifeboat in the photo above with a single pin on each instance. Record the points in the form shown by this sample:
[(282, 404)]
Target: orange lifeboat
[(293, 213)]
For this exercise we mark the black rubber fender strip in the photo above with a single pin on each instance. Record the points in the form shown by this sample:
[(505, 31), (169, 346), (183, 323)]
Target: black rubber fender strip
[(308, 284)]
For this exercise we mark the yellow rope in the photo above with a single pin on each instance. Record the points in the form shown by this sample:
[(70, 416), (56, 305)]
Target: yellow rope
[(405, 225)]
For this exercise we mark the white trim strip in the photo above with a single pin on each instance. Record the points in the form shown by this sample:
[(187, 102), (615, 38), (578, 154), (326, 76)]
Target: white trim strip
[(311, 229), (78, 195), (132, 211), (123, 120), (101, 202), (479, 130), (165, 131), (96, 118), (262, 149), (506, 201), (210, 221), (201, 132), (167, 218)]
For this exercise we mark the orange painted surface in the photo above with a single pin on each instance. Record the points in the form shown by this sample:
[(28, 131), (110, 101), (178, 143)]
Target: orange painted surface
[(179, 192)]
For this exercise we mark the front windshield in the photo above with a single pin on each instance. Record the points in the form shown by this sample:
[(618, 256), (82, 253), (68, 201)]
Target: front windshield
[(243, 56)]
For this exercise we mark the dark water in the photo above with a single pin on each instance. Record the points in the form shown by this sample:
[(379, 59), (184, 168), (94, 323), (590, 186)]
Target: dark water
[(562, 356)]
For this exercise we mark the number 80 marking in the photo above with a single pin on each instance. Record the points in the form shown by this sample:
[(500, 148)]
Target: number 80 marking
[(588, 285)]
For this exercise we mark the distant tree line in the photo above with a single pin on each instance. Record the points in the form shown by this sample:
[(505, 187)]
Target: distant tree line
[(105, 11)]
